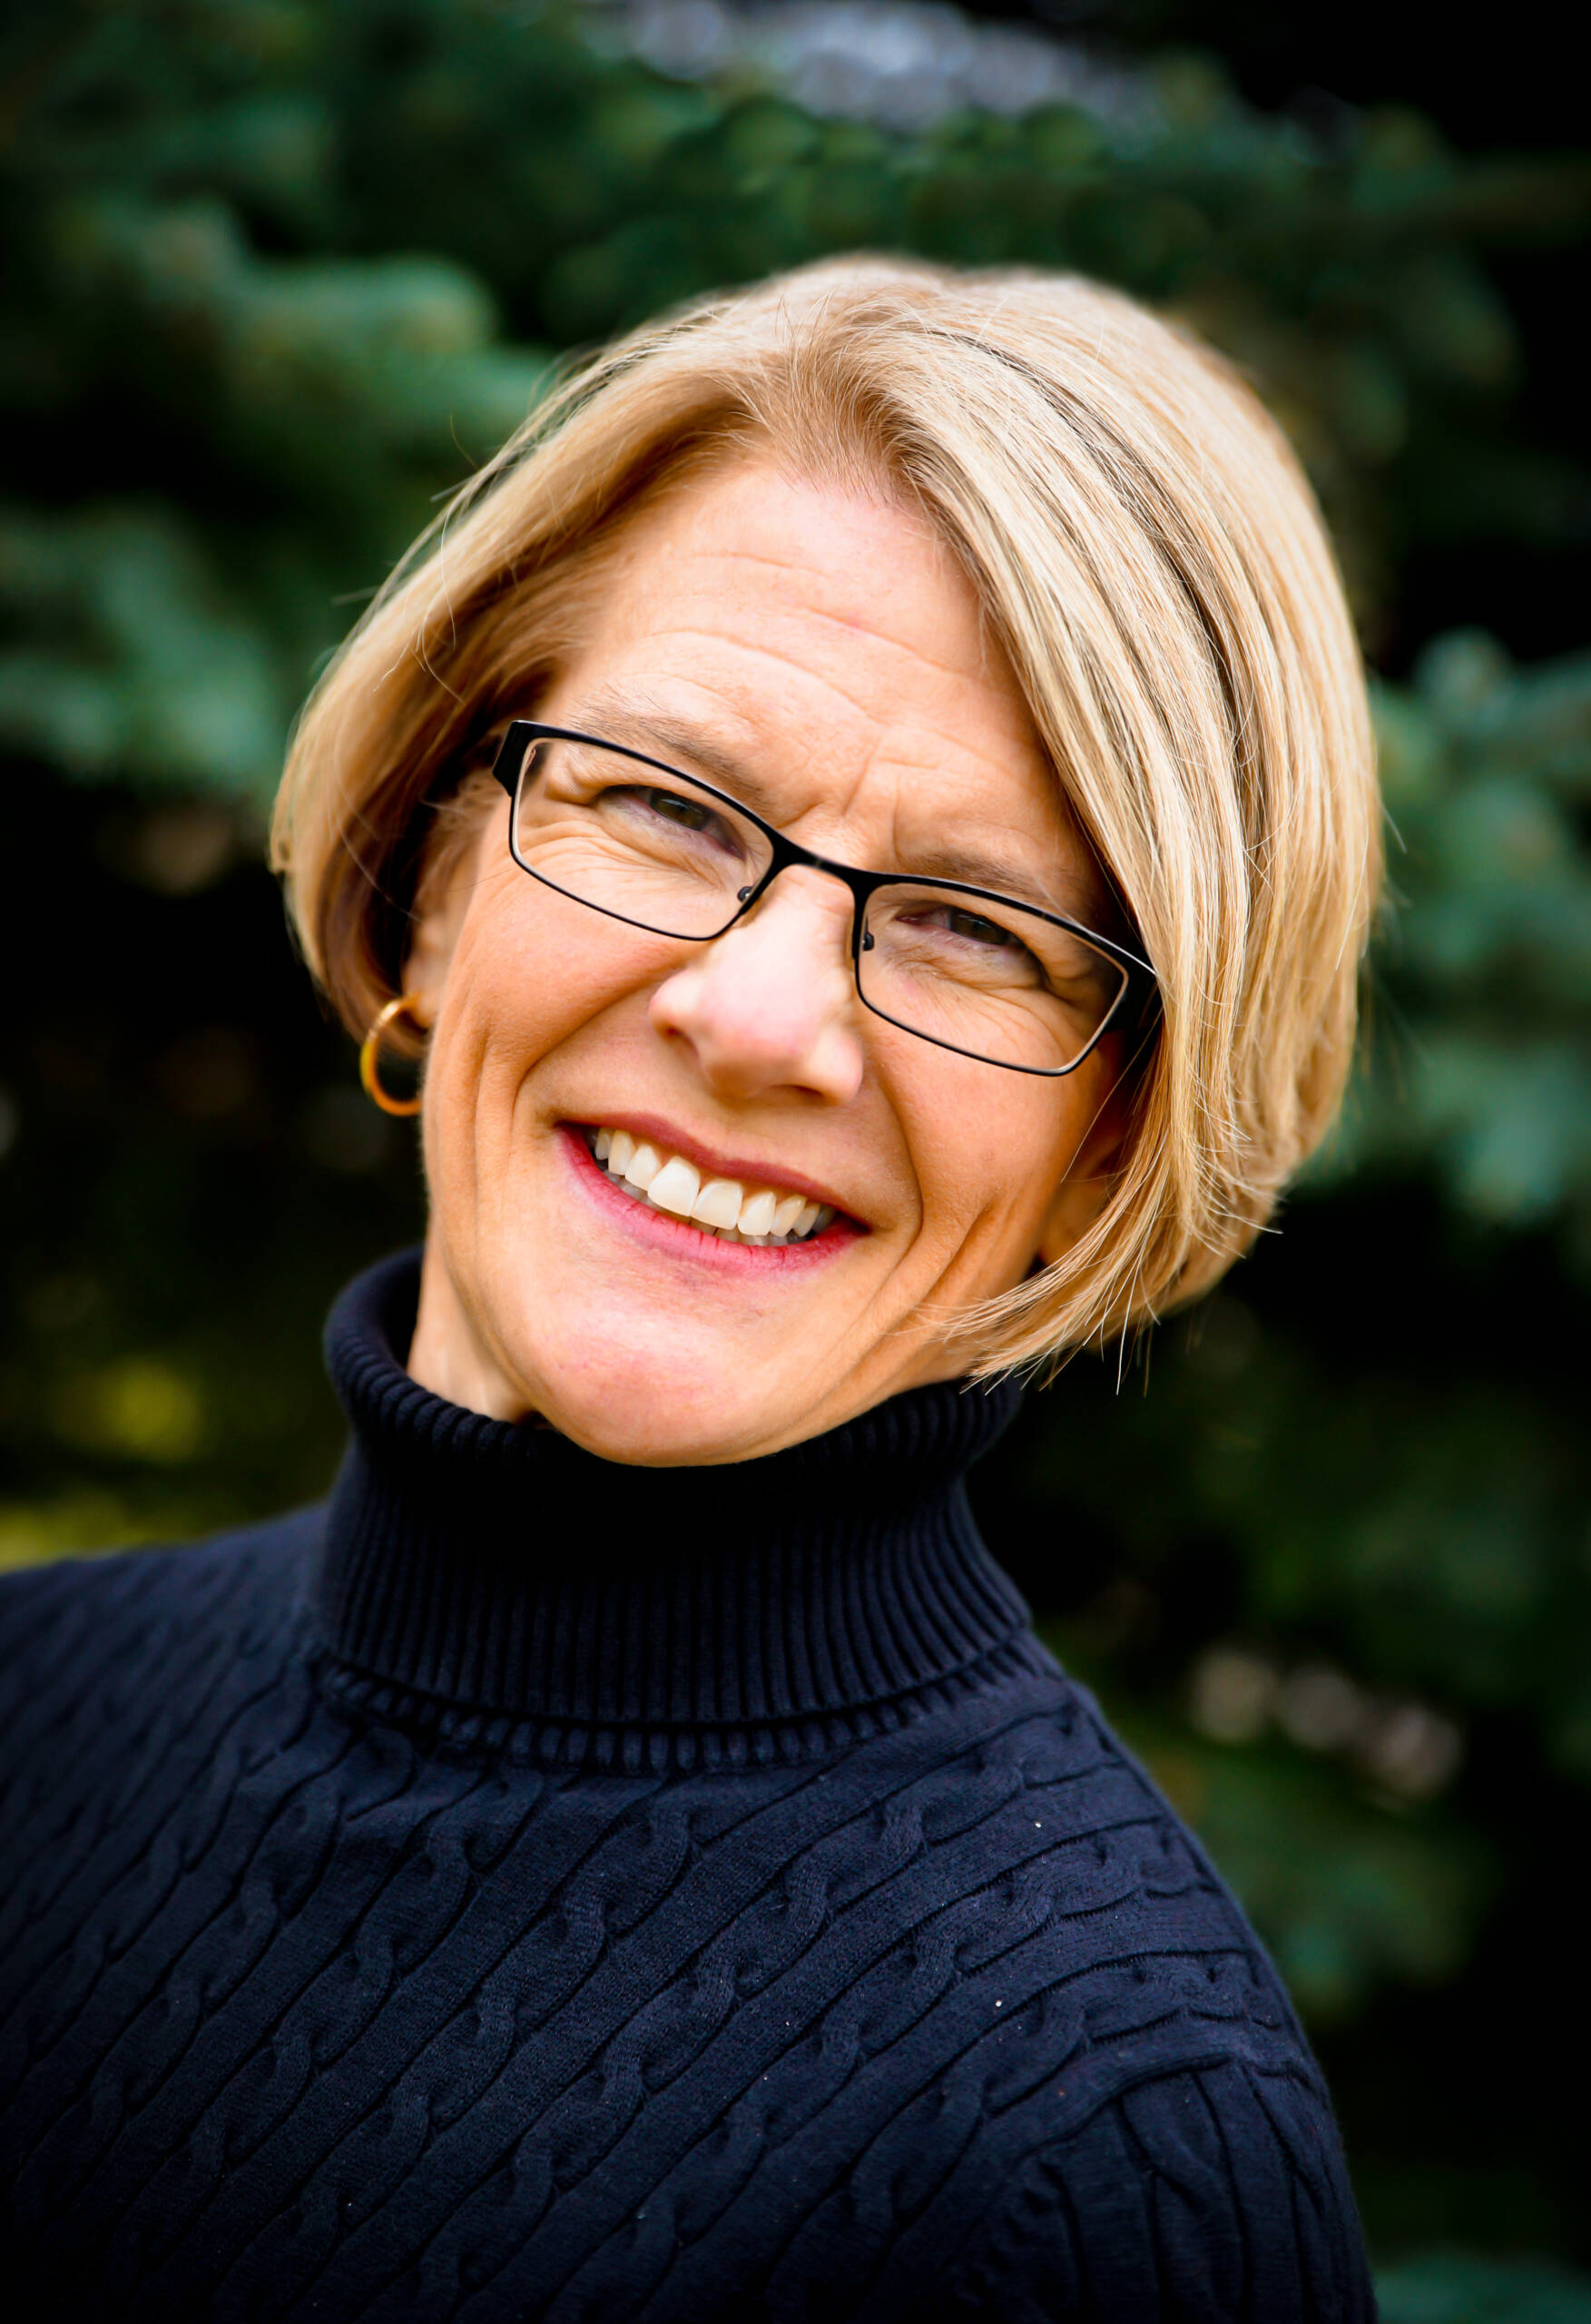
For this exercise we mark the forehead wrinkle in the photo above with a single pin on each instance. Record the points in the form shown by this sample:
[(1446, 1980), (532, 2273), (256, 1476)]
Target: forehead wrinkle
[(867, 620), (930, 550), (749, 707)]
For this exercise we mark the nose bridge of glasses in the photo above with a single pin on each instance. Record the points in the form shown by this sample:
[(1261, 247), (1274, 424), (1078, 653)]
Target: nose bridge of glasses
[(789, 855)]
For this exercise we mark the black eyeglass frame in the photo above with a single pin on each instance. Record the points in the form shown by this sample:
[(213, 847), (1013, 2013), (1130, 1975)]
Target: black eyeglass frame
[(1135, 1004)]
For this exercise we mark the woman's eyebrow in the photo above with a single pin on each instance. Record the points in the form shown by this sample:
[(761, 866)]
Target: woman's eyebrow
[(610, 719), (1058, 892)]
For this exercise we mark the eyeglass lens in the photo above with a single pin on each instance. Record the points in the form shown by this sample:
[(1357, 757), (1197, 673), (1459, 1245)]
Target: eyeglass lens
[(988, 978)]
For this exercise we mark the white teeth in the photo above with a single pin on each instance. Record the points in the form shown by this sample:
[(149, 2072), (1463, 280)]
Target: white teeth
[(718, 1203), (719, 1206), (643, 1166), (675, 1187), (754, 1217)]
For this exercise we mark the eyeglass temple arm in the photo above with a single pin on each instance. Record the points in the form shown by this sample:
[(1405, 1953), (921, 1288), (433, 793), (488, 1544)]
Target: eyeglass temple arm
[(510, 759)]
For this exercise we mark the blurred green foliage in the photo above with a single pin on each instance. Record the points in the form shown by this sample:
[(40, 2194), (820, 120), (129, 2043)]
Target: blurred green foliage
[(280, 274), (1449, 2287)]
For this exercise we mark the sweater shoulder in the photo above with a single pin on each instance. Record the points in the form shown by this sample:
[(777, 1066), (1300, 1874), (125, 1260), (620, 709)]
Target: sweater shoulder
[(1217, 2192), (72, 1627), (1154, 2135), (1113, 1894)]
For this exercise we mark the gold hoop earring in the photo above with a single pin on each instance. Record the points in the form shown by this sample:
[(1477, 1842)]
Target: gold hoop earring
[(370, 1056)]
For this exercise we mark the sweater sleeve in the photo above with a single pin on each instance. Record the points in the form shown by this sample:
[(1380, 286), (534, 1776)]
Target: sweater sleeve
[(1204, 2197)]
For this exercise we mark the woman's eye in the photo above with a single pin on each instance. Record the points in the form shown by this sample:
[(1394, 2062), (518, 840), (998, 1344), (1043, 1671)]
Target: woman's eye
[(977, 930), (688, 815), (968, 928), (650, 808)]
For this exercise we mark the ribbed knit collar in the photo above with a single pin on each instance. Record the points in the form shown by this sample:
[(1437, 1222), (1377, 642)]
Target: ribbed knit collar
[(496, 1569)]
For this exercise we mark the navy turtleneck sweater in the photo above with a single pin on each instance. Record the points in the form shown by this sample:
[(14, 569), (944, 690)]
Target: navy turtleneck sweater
[(531, 1888)]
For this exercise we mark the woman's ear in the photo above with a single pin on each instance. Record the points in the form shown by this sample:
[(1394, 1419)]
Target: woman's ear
[(1085, 1187), (442, 894)]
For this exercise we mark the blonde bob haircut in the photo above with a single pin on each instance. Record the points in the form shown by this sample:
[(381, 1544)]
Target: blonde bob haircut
[(1149, 556)]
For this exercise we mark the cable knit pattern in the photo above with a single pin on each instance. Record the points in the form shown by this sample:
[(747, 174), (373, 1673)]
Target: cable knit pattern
[(528, 1888)]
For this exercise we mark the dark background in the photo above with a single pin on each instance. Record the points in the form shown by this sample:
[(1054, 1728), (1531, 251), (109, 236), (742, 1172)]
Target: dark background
[(278, 274)]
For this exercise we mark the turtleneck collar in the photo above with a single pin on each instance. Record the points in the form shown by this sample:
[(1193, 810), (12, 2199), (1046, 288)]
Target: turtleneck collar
[(496, 1575)]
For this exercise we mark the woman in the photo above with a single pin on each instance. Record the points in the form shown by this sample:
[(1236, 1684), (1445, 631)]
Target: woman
[(627, 1855)]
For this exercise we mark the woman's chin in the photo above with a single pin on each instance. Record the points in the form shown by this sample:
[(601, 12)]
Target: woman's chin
[(650, 1396), (660, 1429)]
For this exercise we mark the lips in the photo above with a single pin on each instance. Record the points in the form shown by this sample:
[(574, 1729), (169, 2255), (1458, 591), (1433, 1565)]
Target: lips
[(676, 1188), (738, 1209)]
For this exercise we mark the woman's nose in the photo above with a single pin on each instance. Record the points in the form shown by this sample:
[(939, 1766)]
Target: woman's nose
[(772, 1004)]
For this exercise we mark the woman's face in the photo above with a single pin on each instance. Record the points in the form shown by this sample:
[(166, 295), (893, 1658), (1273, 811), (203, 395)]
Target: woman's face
[(820, 655)]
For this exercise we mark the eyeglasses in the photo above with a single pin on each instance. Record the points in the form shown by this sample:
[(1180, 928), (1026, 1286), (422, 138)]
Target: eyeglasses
[(964, 967)]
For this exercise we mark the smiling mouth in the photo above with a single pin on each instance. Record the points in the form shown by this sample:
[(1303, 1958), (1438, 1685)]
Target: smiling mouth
[(735, 1213)]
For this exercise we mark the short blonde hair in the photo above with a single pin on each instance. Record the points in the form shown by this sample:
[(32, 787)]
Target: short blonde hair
[(1152, 560)]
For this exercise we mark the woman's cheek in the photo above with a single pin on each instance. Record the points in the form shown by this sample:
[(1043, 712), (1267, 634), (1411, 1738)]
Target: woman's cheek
[(521, 990), (982, 1162)]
